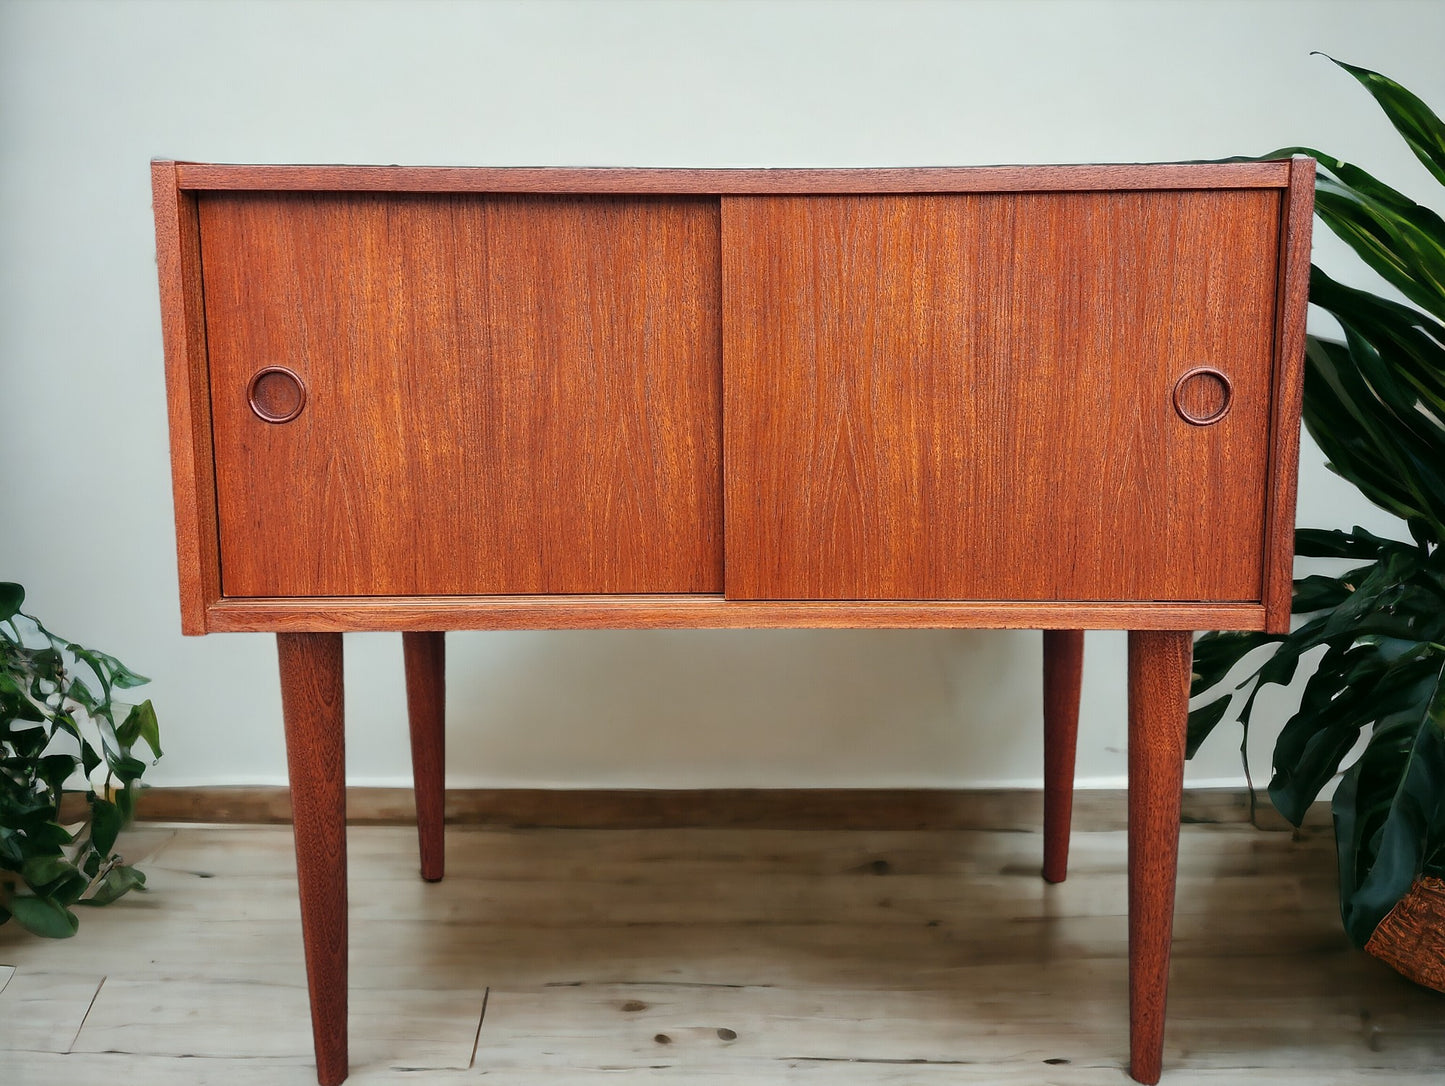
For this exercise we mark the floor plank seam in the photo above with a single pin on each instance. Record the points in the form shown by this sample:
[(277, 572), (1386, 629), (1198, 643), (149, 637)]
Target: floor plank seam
[(477, 1037), (86, 1016)]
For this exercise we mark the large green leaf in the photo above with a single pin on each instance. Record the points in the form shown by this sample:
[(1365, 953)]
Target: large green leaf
[(1346, 422), (1408, 345), (1334, 543), (1347, 691), (1405, 245), (1400, 239), (1389, 810), (1202, 721), (1216, 654), (1413, 119)]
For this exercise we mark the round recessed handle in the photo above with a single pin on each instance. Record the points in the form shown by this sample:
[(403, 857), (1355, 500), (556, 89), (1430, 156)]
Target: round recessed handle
[(276, 394), (1203, 396)]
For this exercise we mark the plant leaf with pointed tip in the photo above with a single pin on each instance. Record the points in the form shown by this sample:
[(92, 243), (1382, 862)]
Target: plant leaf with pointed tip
[(1416, 122), (44, 917), (12, 596)]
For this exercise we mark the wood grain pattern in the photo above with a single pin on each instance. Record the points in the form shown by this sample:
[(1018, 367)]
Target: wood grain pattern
[(935, 397), (424, 653), (1294, 279), (810, 944), (1159, 670), (511, 394), (1063, 679), (178, 267), (663, 611), (313, 705), (1073, 178)]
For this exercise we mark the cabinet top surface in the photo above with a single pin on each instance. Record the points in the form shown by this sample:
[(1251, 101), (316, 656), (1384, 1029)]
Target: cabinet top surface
[(197, 176)]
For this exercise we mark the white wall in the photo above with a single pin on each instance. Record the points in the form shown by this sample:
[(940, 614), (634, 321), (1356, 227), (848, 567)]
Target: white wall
[(90, 92)]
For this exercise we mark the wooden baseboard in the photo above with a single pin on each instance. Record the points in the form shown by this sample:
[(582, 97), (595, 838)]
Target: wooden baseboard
[(767, 808)]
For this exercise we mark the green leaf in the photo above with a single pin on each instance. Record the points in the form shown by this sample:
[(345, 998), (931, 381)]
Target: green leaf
[(43, 917), (124, 800), (119, 880), (43, 870), (1348, 445), (1202, 721), (1389, 811), (1333, 543), (106, 824), (107, 668), (1401, 240), (1413, 119), (1405, 245), (47, 837), (1349, 690), (1319, 593), (140, 723), (12, 596), (126, 768), (1217, 653)]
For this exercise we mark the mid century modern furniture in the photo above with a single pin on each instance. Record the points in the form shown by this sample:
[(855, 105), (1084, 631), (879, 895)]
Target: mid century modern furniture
[(1060, 398)]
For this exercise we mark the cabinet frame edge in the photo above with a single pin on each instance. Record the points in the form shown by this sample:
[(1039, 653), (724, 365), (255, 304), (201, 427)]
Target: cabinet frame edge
[(193, 478), (1291, 310), (712, 612), (721, 182)]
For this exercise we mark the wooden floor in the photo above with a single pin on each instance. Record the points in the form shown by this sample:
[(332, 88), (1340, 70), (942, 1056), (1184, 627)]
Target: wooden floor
[(713, 956)]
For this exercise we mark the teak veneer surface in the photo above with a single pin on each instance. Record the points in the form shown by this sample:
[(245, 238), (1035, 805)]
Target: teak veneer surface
[(504, 394), (969, 397), (941, 385), (1073, 178)]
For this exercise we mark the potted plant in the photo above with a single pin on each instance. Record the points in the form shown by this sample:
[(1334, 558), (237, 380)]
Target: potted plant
[(63, 734), (1375, 403)]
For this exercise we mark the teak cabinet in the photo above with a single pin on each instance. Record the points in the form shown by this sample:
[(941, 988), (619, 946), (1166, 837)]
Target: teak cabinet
[(423, 399)]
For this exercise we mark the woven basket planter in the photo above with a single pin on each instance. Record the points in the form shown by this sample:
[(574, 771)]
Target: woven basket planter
[(1411, 939)]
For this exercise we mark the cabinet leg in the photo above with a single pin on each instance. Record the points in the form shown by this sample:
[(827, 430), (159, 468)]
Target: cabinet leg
[(311, 701), (1063, 675), (425, 655), (1159, 666)]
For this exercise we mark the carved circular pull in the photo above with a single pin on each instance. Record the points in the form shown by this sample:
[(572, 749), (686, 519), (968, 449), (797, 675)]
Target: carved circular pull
[(276, 394), (1203, 396)]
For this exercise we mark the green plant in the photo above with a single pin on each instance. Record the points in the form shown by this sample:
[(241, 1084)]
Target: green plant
[(56, 732), (1375, 404)]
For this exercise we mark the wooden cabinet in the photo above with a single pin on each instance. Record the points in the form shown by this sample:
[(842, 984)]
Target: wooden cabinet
[(432, 399)]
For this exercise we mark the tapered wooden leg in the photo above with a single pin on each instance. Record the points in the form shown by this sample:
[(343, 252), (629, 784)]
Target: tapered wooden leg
[(1159, 665), (1063, 676), (311, 700), (425, 655)]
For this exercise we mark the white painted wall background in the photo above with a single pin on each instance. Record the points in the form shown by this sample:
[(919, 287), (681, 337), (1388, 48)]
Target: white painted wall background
[(89, 92)]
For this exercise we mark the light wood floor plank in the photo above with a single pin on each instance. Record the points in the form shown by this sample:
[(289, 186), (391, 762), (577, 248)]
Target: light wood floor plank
[(838, 957), (42, 1012), (423, 1029)]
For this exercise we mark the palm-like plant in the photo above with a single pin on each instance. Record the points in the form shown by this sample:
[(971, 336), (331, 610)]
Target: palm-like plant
[(1375, 404)]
